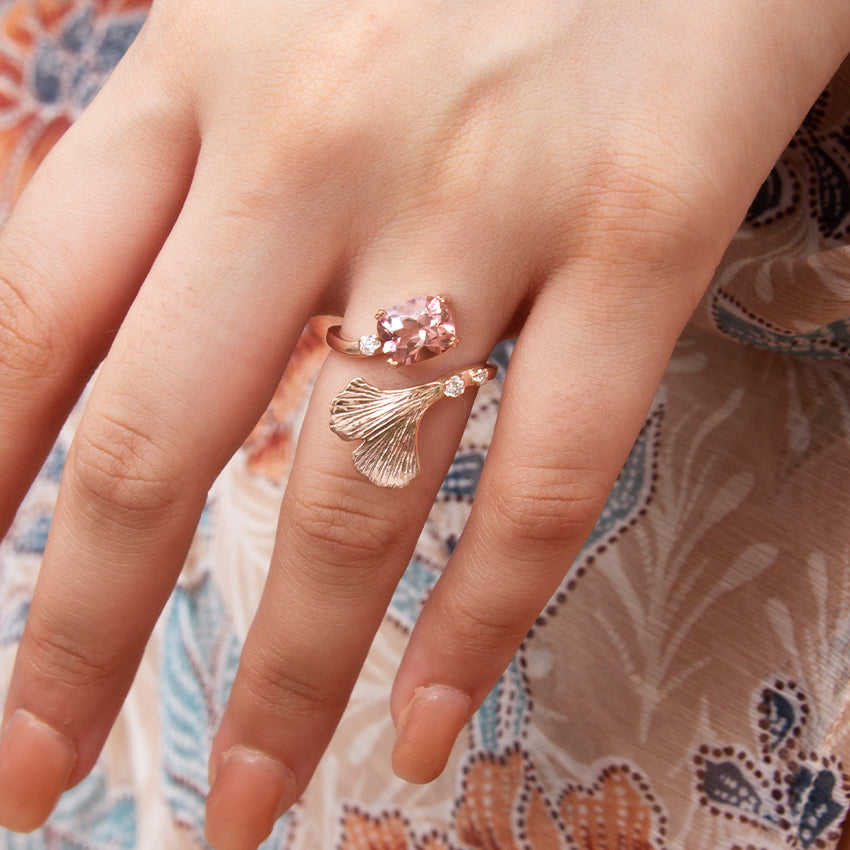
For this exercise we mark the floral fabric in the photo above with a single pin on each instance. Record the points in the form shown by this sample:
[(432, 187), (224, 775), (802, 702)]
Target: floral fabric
[(687, 686)]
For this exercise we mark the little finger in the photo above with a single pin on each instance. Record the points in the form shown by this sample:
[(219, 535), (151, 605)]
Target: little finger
[(571, 409)]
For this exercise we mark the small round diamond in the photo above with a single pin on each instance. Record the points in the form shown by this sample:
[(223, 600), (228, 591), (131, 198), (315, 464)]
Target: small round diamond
[(454, 386), (369, 344), (480, 376)]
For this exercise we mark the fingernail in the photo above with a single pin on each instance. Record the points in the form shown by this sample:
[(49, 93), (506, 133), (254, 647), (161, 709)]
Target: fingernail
[(36, 763), (427, 729), (251, 791)]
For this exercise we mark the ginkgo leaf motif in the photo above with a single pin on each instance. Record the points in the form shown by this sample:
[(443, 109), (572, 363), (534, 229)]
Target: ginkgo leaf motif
[(388, 423)]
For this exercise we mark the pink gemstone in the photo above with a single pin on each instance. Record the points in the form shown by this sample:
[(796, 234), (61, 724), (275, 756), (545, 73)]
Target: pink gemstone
[(416, 330)]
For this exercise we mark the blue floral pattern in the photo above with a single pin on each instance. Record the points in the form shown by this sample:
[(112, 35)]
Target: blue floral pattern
[(91, 816), (70, 67), (198, 669), (801, 794)]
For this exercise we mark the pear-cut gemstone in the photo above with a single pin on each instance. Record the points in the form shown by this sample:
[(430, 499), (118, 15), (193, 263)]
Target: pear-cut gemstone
[(416, 330)]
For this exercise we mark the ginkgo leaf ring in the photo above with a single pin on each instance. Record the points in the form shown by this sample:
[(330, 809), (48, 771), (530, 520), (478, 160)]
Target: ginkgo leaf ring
[(387, 421)]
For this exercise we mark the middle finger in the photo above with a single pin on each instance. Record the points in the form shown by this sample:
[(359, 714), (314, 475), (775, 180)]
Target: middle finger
[(192, 368)]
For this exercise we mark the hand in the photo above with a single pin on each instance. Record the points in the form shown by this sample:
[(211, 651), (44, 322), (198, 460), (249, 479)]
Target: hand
[(571, 171)]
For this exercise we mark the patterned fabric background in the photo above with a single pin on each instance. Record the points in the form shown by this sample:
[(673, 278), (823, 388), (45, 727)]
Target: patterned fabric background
[(686, 687)]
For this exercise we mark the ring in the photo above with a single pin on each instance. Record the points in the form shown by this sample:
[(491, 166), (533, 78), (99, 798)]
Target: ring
[(408, 333), (387, 421)]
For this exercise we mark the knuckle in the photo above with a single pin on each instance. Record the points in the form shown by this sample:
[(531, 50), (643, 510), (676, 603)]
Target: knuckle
[(340, 124), (538, 509), (474, 630), (645, 209), (334, 527), (638, 223), (57, 654), (29, 347), (278, 693), (116, 467)]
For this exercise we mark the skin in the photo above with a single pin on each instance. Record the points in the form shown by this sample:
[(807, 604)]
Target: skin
[(570, 172)]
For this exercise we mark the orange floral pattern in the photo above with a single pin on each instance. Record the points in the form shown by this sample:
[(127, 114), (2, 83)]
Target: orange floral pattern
[(54, 56), (269, 446), (615, 813), (364, 832), (502, 807)]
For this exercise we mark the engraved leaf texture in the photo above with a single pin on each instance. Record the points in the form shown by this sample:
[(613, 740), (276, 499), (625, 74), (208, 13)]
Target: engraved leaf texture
[(388, 422)]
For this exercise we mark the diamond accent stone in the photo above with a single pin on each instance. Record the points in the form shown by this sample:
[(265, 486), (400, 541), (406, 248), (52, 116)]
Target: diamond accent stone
[(369, 344), (416, 330), (454, 386), (480, 376)]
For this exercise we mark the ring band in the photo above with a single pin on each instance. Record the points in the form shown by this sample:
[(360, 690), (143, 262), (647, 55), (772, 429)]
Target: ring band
[(408, 333), (351, 347), (387, 421)]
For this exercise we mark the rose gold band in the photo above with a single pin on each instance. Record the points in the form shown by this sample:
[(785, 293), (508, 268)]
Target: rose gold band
[(477, 376), (351, 347)]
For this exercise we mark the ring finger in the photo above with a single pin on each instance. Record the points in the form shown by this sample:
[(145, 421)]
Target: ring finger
[(342, 545)]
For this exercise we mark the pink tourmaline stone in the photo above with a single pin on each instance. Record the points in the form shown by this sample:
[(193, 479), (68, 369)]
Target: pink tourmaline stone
[(416, 330)]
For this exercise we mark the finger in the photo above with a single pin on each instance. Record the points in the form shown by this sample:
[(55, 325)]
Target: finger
[(342, 544), (571, 408), (193, 366), (72, 256), (77, 246)]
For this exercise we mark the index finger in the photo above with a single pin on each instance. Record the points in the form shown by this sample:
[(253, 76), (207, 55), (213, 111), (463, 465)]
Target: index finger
[(72, 256)]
